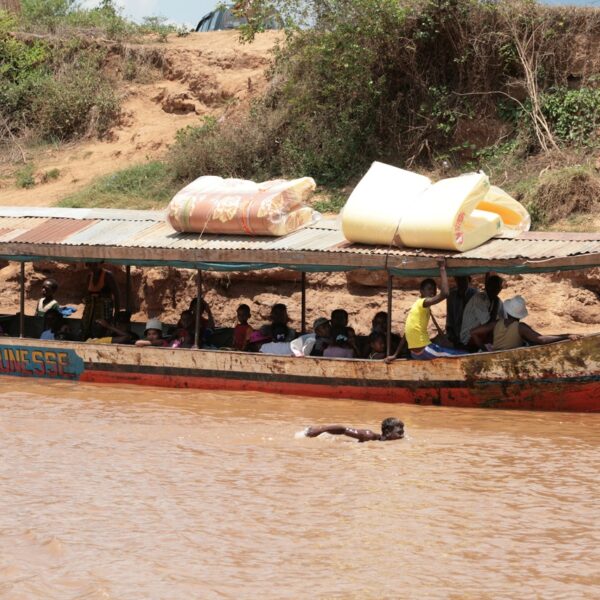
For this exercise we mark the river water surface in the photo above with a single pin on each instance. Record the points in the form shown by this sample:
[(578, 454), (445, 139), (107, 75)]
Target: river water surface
[(127, 493)]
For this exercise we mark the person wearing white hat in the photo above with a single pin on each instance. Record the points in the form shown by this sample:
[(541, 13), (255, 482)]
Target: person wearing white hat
[(153, 335), (509, 332)]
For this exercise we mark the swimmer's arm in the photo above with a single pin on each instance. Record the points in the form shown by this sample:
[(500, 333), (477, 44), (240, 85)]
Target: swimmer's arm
[(362, 435), (332, 429)]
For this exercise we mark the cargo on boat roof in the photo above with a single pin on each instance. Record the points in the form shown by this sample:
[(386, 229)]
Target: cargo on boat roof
[(144, 238)]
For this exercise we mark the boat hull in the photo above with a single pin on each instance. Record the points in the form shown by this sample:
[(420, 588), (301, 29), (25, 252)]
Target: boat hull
[(558, 377)]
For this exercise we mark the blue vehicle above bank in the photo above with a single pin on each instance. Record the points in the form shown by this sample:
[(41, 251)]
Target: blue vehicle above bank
[(223, 18)]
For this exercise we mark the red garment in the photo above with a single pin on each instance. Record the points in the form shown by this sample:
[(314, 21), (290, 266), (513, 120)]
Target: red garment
[(241, 335)]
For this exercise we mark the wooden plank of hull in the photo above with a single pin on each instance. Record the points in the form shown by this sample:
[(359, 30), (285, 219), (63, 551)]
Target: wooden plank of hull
[(563, 376)]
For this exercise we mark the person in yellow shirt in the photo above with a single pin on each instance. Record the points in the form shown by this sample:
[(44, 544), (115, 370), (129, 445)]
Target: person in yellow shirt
[(417, 338)]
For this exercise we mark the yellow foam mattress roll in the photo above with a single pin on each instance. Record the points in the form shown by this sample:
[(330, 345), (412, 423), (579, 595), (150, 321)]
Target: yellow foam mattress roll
[(514, 215), (394, 206), (375, 207)]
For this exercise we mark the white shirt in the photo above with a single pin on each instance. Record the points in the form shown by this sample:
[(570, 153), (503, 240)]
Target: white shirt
[(477, 312), (280, 348)]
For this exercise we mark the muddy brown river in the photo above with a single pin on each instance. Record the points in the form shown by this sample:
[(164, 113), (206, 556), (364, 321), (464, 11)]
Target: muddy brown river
[(138, 493)]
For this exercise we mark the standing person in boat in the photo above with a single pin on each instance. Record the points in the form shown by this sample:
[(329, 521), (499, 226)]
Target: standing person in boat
[(47, 301), (415, 329), (509, 332), (391, 429), (458, 298), (484, 307), (101, 302)]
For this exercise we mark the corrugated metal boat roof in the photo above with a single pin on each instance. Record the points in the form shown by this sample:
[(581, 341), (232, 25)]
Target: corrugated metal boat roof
[(144, 237)]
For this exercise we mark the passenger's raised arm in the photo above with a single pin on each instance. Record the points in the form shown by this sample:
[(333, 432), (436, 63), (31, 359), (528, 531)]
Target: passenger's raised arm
[(444, 287)]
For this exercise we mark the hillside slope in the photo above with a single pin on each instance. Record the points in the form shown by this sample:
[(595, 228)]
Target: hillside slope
[(208, 74)]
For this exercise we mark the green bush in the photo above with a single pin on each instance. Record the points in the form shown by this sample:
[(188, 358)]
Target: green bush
[(400, 82), (78, 100), (24, 177), (246, 148), (57, 93), (573, 115), (45, 13)]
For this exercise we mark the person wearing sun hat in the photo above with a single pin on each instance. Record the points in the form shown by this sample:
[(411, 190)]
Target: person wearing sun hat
[(509, 332), (153, 335), (313, 344)]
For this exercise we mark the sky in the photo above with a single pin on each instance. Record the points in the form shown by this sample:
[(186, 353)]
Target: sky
[(189, 12), (177, 11)]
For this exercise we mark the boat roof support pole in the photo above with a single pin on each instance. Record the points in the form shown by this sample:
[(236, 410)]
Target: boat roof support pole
[(303, 302), (128, 288), (22, 303), (198, 308), (388, 333)]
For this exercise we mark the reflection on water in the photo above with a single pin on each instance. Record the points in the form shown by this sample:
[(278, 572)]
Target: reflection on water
[(132, 493)]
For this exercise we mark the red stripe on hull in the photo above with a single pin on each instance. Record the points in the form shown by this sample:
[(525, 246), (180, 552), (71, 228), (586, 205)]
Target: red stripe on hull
[(561, 396)]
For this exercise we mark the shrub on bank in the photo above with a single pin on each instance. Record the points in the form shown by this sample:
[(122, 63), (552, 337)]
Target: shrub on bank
[(53, 100), (405, 83)]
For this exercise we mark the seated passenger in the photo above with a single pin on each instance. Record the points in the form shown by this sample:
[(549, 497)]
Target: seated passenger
[(342, 336), (278, 343), (509, 332), (47, 301), (417, 321), (377, 343), (483, 307), (313, 344), (256, 340), (183, 336), (207, 321), (242, 331), (54, 326), (457, 299), (379, 324), (153, 335), (339, 346), (279, 316), (119, 333)]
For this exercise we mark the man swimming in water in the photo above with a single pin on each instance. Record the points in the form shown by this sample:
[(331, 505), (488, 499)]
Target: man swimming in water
[(391, 429)]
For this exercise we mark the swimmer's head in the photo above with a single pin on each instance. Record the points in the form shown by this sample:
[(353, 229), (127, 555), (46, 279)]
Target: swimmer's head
[(392, 429)]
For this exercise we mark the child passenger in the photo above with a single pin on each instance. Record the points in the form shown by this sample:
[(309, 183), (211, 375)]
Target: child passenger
[(415, 330), (242, 331), (377, 343), (54, 326), (183, 336), (153, 335)]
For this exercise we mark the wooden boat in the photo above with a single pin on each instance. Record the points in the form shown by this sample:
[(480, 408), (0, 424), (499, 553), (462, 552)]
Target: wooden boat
[(564, 376)]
